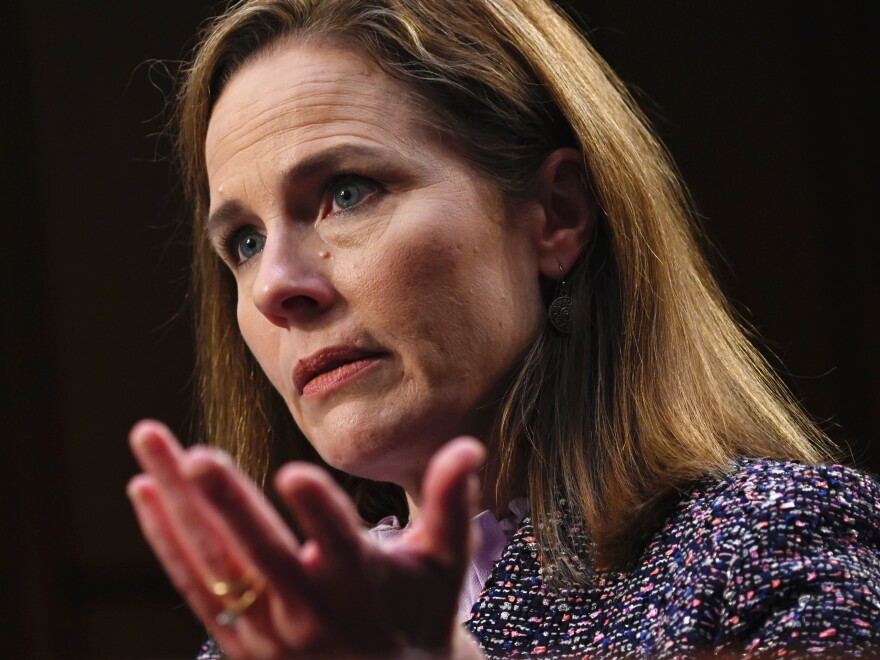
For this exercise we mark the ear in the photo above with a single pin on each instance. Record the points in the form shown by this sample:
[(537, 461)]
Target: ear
[(567, 222)]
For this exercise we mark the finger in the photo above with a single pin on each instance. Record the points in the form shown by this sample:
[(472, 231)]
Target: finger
[(252, 636), (327, 515), (144, 435), (449, 496), (295, 610), (325, 511), (162, 537), (257, 528), (201, 537), (202, 540)]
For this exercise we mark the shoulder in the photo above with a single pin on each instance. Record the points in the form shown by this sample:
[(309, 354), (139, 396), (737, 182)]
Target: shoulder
[(788, 554), (830, 500), (766, 508), (831, 488)]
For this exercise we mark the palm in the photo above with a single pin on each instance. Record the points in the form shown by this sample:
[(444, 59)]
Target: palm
[(337, 594)]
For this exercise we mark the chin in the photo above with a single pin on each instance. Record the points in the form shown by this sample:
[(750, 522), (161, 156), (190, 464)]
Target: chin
[(398, 453)]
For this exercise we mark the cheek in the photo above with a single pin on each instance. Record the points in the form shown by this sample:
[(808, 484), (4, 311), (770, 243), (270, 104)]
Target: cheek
[(419, 284), (247, 326), (448, 294), (261, 339)]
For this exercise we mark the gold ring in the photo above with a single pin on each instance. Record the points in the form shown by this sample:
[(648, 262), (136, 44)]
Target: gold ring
[(245, 591), (228, 617), (240, 586)]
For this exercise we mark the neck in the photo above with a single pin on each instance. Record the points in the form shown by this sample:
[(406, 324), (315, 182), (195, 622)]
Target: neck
[(489, 499)]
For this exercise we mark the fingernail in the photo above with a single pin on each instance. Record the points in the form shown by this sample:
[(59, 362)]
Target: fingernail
[(142, 438), (134, 487), (208, 477)]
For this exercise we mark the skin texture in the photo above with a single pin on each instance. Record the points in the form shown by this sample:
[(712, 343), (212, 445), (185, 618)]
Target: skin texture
[(432, 267), (347, 222)]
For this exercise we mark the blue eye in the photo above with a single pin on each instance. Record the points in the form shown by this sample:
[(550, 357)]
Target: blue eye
[(249, 244), (347, 194)]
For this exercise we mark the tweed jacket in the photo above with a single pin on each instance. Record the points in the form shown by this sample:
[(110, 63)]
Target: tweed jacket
[(776, 559)]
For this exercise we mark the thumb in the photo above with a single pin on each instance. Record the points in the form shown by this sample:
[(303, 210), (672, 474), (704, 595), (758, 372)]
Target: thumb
[(450, 494)]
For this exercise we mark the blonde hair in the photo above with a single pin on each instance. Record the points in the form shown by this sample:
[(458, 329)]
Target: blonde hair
[(657, 384)]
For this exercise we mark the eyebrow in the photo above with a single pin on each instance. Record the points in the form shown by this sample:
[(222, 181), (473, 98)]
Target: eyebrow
[(330, 159), (225, 214)]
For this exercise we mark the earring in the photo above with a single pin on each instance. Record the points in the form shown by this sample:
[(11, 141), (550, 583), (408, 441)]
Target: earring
[(560, 309)]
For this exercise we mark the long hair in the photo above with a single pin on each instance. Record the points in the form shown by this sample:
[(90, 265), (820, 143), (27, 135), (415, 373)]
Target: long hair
[(657, 384)]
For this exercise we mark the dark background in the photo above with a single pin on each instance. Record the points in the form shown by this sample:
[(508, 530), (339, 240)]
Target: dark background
[(764, 106)]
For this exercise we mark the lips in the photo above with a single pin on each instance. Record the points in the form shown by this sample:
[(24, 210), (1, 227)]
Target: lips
[(331, 365)]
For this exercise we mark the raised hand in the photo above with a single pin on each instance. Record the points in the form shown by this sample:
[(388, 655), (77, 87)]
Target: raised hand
[(264, 594)]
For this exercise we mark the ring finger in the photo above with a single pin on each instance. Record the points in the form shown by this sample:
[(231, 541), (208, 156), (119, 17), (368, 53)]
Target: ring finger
[(199, 555)]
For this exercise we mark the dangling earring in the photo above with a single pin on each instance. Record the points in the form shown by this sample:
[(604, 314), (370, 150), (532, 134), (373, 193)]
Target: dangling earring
[(560, 309)]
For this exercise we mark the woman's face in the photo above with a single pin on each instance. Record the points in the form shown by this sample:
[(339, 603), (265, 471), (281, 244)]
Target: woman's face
[(383, 286)]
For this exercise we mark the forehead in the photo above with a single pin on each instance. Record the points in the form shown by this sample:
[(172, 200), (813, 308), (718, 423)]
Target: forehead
[(300, 92)]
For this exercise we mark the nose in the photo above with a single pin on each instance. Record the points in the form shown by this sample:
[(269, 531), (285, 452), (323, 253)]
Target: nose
[(292, 286)]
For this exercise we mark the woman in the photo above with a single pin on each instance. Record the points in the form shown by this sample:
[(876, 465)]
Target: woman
[(439, 253)]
